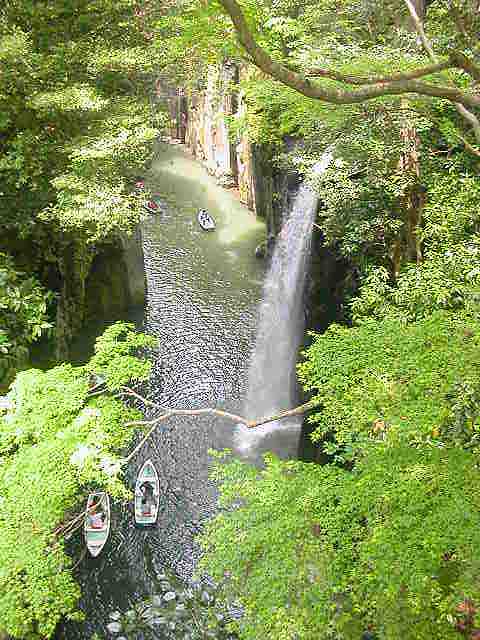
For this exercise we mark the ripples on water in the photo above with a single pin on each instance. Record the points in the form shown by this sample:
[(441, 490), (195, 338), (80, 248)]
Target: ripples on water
[(203, 292)]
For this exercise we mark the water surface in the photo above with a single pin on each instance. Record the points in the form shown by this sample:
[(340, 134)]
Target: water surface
[(203, 291)]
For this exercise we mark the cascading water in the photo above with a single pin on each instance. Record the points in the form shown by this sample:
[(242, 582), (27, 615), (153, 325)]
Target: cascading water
[(272, 374), (203, 290)]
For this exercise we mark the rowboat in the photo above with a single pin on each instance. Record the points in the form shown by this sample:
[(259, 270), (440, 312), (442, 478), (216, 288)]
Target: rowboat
[(97, 522), (151, 206), (205, 220), (147, 495)]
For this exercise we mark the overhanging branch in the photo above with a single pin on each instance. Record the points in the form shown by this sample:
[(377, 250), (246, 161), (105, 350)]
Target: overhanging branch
[(65, 530), (462, 62), (301, 84), (212, 411), (394, 77)]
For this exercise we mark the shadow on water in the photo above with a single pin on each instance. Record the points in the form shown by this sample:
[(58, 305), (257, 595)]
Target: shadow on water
[(203, 292)]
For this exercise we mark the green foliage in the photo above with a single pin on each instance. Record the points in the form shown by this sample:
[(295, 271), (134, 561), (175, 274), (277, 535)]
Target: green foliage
[(388, 372), (448, 275), (274, 112), (452, 210), (75, 121), (76, 126), (57, 443), (390, 542), (324, 553), (448, 280), (115, 358), (23, 317)]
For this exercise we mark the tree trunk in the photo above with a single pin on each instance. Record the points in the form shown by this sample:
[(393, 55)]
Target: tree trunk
[(408, 245), (413, 199)]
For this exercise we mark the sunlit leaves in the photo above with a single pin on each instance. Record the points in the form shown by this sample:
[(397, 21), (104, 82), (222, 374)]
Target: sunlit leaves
[(389, 542), (100, 210), (56, 443), (115, 359), (73, 98), (64, 107), (401, 374), (23, 315), (123, 61)]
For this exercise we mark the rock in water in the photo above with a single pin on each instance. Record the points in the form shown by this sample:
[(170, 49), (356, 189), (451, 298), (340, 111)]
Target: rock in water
[(169, 596), (114, 627)]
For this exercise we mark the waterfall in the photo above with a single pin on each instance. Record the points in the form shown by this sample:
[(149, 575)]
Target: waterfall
[(272, 382)]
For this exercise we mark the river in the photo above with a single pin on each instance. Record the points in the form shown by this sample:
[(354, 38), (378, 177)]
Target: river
[(203, 292)]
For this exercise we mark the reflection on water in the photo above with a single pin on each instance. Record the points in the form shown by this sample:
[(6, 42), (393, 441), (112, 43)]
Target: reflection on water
[(203, 290)]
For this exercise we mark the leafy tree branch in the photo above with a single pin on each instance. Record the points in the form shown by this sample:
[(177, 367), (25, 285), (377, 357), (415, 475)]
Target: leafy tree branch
[(395, 77), (302, 84), (461, 60)]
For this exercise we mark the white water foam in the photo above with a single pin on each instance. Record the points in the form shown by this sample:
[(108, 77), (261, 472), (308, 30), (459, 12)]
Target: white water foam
[(272, 385)]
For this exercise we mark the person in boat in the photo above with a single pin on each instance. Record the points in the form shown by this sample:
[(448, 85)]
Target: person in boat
[(146, 489), (96, 516)]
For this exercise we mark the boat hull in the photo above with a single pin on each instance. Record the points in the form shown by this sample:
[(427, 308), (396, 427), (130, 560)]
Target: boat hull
[(206, 221), (146, 510), (96, 538)]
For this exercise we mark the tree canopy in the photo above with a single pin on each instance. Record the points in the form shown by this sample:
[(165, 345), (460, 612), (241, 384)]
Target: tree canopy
[(76, 126), (383, 539), (374, 86), (58, 442)]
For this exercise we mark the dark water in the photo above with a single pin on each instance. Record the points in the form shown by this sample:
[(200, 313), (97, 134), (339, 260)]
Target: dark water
[(203, 292)]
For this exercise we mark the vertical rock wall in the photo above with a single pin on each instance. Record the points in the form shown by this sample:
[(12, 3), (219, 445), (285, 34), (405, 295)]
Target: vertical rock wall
[(97, 284), (236, 163), (207, 131)]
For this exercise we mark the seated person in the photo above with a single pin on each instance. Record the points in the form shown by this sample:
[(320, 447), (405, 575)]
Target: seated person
[(95, 517), (146, 489)]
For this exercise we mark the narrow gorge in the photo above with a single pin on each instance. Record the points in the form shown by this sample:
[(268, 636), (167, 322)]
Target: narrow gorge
[(239, 320)]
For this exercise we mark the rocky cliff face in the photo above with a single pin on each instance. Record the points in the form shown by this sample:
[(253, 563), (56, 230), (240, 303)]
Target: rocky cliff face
[(95, 284), (199, 119), (206, 132)]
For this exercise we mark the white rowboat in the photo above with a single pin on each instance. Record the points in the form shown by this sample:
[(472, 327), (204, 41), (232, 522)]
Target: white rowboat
[(97, 522), (205, 220), (147, 495)]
